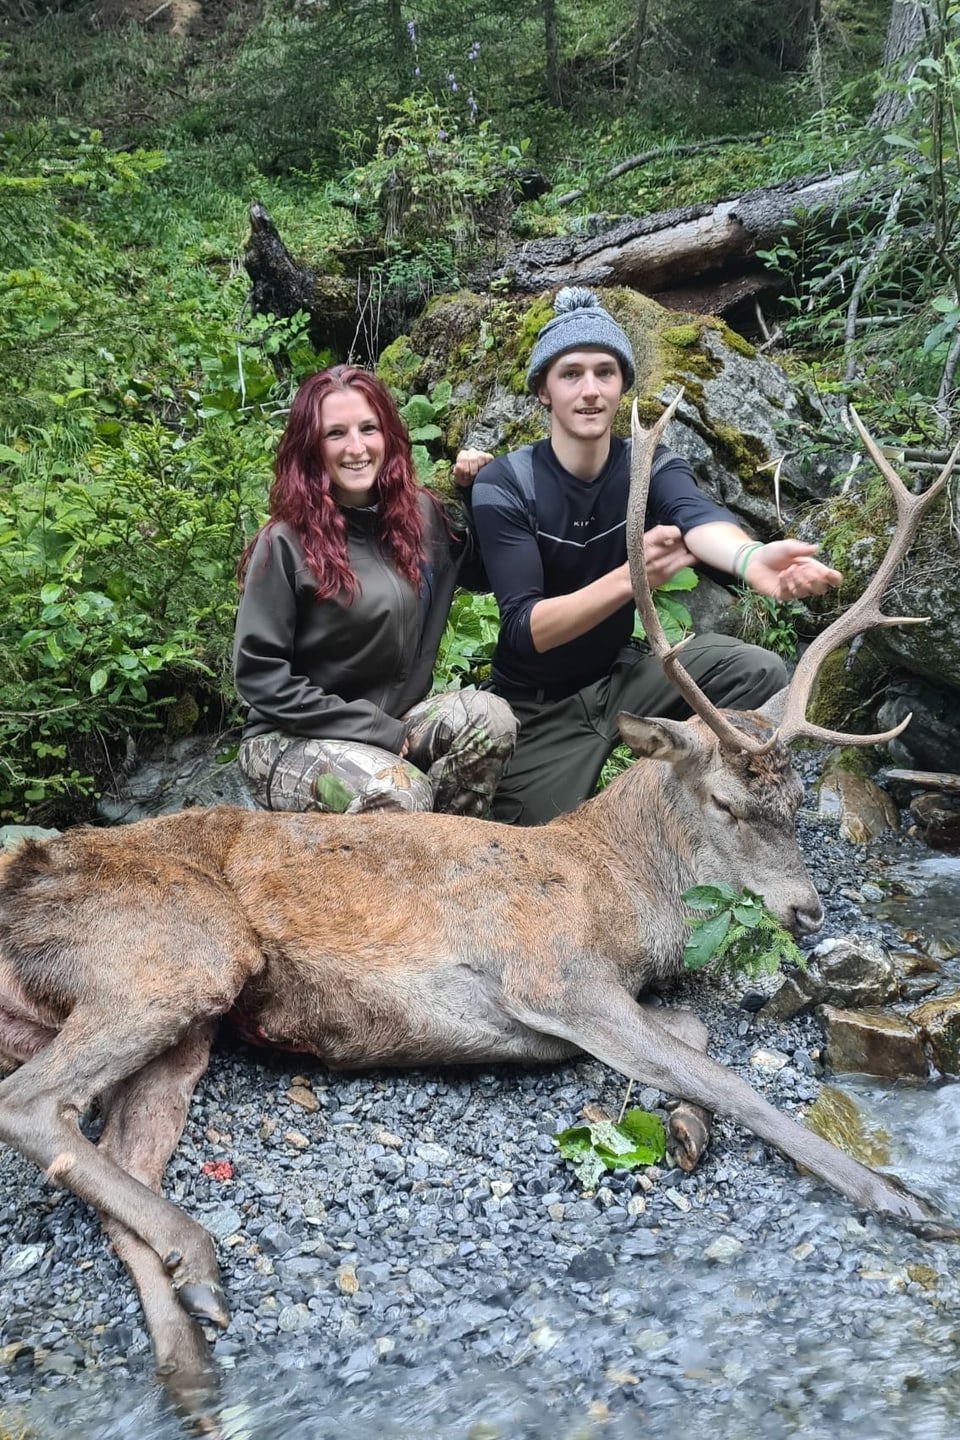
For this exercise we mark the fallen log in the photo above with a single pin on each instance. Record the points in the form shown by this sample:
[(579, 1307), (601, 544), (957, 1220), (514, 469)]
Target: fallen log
[(657, 253)]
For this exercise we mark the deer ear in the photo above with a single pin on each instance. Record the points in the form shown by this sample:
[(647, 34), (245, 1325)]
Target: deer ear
[(773, 708), (656, 739)]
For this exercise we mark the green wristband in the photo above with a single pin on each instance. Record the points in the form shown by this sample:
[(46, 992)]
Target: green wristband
[(742, 558)]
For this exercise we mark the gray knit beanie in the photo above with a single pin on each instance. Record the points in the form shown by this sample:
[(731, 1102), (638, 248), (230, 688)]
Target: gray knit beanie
[(579, 321)]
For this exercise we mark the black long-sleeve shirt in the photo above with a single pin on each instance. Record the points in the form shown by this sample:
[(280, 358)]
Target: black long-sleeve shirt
[(554, 536)]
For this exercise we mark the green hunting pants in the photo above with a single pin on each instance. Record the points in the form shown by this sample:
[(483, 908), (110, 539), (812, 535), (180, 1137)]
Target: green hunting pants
[(458, 743), (563, 744)]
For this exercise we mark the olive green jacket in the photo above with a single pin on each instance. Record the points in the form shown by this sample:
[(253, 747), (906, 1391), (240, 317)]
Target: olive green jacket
[(344, 669)]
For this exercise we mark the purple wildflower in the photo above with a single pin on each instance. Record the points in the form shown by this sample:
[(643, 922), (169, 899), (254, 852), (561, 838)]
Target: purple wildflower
[(473, 107), (474, 52), (452, 82), (412, 32)]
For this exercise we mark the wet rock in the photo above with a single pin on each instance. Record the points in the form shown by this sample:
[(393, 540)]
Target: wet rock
[(873, 1042), (850, 971), (273, 1240), (347, 1282), (846, 972), (769, 1060), (938, 817), (932, 739), (918, 987), (836, 1116), (724, 1249), (791, 999), (223, 1223), (20, 1259), (58, 1363), (592, 1266), (920, 975), (864, 810), (939, 1022), (195, 770), (303, 1096), (293, 1319)]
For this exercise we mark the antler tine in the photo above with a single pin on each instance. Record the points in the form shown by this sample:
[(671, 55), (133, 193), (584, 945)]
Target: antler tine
[(865, 613), (645, 443)]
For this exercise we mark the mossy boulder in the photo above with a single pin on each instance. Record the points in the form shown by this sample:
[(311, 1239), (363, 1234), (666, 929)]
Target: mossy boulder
[(854, 530), (735, 403)]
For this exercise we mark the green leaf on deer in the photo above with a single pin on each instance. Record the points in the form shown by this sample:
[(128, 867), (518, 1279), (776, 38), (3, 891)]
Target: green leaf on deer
[(705, 940)]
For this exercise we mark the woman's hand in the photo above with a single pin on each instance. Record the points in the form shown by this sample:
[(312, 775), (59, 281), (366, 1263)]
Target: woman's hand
[(789, 570), (467, 464)]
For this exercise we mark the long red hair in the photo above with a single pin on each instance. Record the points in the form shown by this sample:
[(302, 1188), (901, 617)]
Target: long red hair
[(302, 497)]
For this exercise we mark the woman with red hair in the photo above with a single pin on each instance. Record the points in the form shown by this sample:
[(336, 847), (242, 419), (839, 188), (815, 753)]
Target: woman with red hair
[(345, 594)]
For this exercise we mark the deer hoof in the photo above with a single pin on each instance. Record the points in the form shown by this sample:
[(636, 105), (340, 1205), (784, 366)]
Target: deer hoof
[(205, 1302), (689, 1127)]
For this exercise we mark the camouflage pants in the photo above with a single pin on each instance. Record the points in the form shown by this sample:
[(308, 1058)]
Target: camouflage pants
[(458, 744)]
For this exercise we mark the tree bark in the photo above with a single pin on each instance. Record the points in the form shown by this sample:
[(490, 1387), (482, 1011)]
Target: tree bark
[(801, 17), (552, 50), (905, 34), (660, 252), (282, 287), (639, 36)]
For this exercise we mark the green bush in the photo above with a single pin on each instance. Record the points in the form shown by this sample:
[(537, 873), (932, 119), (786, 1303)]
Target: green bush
[(117, 592)]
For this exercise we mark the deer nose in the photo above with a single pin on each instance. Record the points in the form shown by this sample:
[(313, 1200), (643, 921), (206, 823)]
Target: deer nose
[(808, 917)]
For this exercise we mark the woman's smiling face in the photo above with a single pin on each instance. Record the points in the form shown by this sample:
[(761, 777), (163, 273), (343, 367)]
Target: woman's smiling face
[(353, 446)]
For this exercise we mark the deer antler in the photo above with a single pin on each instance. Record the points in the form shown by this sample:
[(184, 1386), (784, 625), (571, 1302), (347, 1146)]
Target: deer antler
[(645, 443), (864, 614)]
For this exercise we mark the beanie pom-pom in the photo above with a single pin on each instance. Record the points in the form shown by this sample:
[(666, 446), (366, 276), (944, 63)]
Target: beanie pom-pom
[(574, 297)]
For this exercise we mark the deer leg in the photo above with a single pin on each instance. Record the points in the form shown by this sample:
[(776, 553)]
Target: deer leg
[(40, 1108), (602, 1019), (689, 1124), (144, 1122)]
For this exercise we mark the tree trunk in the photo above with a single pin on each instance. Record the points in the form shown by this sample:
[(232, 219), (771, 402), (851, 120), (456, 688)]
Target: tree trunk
[(800, 19), (905, 35), (639, 36), (551, 47), (702, 258), (397, 30)]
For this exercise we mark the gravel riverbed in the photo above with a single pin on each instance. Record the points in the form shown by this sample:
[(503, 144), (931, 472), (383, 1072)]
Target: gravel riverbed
[(406, 1254)]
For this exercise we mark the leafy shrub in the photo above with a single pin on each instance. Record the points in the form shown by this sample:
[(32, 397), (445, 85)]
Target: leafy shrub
[(468, 641), (114, 575), (770, 623)]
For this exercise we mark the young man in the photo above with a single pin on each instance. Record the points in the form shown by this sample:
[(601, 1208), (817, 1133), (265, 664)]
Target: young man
[(551, 521)]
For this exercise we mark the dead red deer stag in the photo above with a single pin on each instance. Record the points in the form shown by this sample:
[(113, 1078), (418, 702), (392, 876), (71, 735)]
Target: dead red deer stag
[(398, 940)]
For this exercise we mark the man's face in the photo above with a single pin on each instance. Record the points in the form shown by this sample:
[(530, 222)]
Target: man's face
[(582, 389)]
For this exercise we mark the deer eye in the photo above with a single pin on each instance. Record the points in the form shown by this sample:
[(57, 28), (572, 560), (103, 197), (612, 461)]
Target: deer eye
[(723, 807)]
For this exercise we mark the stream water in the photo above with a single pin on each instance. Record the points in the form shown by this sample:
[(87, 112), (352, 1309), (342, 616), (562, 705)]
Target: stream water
[(809, 1322)]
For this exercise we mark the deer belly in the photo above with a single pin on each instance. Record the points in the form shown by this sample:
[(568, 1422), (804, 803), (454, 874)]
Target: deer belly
[(421, 1017), (23, 1031)]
